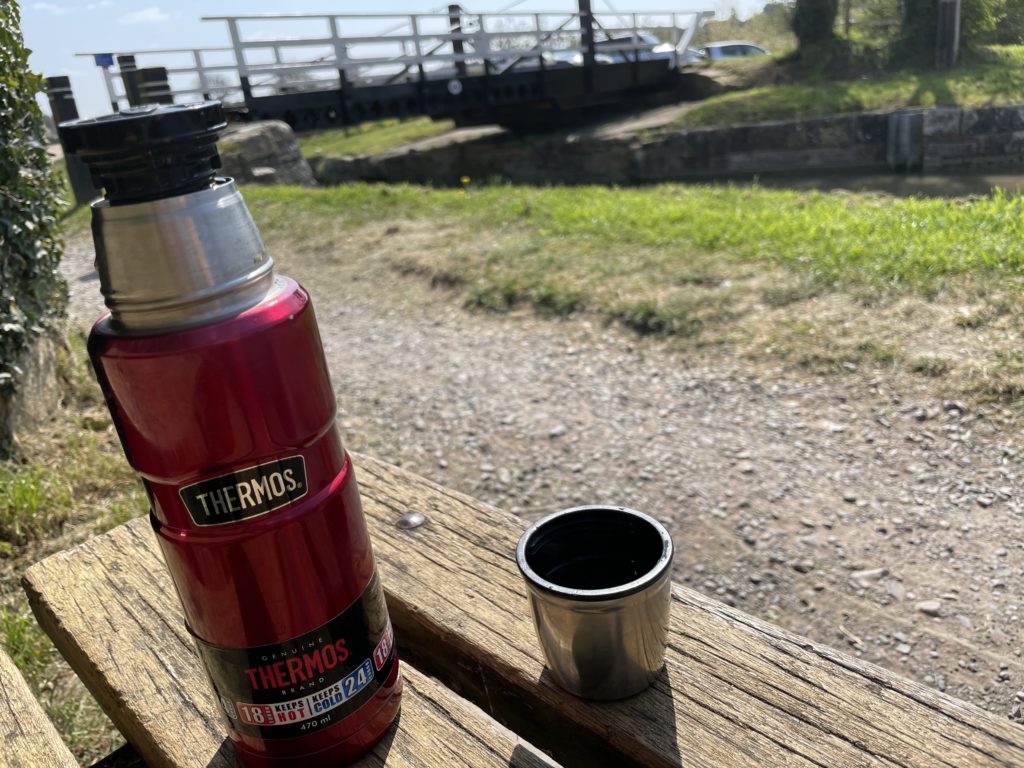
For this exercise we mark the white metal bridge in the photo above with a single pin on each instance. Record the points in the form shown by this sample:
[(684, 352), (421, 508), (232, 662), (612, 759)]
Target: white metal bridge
[(373, 65)]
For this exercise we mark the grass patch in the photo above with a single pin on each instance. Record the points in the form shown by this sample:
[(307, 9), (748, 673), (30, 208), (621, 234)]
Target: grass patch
[(931, 365), (823, 281), (986, 311), (989, 77), (579, 239), (1000, 377), (34, 502), (76, 222), (371, 138), (818, 346), (70, 481), (27, 645), (790, 292)]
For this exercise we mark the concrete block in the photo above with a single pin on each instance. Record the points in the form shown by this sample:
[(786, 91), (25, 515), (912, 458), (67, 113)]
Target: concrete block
[(942, 121)]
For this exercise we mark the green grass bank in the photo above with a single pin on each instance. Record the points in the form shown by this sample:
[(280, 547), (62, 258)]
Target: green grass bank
[(371, 138), (580, 237), (828, 281), (991, 76)]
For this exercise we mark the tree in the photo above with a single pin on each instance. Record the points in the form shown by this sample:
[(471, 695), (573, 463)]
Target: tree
[(814, 22)]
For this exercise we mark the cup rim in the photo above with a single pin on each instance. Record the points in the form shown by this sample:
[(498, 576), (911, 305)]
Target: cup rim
[(657, 571)]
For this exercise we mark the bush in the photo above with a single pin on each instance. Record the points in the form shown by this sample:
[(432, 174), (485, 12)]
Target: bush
[(919, 23), (1010, 30), (980, 18), (32, 292), (814, 21)]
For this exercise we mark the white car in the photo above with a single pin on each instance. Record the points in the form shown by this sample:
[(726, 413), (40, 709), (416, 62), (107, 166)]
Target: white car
[(570, 58), (731, 49), (642, 46)]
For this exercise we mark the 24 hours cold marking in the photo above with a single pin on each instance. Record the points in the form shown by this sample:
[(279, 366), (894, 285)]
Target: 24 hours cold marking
[(308, 707)]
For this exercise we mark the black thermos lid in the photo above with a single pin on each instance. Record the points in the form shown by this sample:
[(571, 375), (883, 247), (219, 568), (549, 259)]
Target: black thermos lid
[(149, 152)]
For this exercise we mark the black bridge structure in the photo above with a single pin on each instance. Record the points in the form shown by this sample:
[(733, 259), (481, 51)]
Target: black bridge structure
[(317, 71)]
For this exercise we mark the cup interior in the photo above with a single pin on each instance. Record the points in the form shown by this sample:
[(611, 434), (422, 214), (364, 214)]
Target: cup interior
[(594, 548)]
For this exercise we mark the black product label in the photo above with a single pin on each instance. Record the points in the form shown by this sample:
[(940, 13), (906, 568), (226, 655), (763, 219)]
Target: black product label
[(310, 682), (246, 492)]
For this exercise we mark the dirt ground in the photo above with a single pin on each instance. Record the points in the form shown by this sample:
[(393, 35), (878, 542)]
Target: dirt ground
[(860, 509)]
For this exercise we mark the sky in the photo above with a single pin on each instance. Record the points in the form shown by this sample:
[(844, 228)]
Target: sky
[(55, 30)]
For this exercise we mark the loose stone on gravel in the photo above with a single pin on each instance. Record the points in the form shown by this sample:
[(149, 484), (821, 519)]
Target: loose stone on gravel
[(865, 578), (929, 607)]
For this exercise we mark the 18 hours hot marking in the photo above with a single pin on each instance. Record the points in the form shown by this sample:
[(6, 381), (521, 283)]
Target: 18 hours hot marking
[(314, 705)]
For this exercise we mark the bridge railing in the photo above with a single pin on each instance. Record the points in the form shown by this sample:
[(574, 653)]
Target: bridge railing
[(328, 51), (191, 74)]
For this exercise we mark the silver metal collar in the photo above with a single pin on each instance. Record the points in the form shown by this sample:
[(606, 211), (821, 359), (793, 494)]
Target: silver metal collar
[(181, 261)]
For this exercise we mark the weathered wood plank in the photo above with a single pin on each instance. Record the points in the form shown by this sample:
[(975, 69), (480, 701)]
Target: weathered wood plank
[(111, 610), (27, 737), (736, 692), (437, 727)]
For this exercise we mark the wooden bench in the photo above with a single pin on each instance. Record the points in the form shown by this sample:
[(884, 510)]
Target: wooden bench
[(29, 739), (111, 608), (736, 691)]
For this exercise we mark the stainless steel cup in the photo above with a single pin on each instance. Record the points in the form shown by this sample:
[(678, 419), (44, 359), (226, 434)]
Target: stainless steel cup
[(599, 588)]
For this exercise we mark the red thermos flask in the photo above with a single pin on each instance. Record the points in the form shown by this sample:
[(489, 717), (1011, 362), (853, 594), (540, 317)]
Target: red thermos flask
[(215, 377)]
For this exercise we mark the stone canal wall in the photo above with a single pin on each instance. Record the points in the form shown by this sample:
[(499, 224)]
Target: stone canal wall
[(930, 140)]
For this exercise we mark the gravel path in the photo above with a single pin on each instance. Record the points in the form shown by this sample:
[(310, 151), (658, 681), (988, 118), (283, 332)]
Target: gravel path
[(857, 509)]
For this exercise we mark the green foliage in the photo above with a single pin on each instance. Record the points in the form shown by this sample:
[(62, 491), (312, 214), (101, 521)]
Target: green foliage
[(919, 22), (1009, 31), (980, 18), (874, 23), (31, 290), (814, 21)]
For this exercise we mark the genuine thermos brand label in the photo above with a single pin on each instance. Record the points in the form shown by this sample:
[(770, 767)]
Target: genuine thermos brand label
[(308, 682), (246, 492)]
